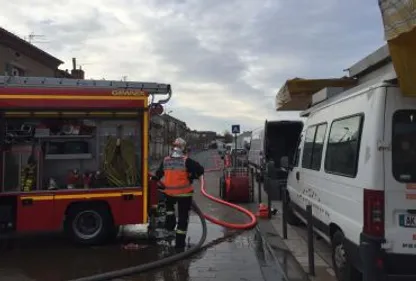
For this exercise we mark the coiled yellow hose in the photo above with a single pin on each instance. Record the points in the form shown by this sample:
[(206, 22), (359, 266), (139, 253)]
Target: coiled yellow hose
[(120, 165)]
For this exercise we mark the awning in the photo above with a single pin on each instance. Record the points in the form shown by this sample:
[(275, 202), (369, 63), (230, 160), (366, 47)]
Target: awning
[(296, 94)]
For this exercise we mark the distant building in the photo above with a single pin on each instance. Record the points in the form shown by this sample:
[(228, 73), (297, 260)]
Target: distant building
[(207, 136), (163, 131), (20, 58)]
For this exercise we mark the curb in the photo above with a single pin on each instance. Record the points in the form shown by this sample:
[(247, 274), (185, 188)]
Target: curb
[(281, 246), (270, 250), (297, 245)]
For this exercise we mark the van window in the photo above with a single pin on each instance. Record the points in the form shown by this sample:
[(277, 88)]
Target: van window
[(312, 151), (307, 147), (404, 146), (318, 146), (344, 146), (297, 152)]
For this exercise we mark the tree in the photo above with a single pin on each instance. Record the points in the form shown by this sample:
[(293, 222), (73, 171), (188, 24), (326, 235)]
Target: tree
[(228, 138)]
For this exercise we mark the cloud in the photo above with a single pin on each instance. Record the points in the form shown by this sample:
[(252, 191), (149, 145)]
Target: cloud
[(224, 59)]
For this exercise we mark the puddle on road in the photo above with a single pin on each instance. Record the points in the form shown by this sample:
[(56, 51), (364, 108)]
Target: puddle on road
[(52, 258)]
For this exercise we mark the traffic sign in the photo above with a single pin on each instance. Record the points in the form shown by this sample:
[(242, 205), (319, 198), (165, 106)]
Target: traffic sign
[(235, 129)]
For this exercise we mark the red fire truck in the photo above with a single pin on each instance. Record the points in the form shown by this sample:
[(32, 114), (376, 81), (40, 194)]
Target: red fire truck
[(74, 155)]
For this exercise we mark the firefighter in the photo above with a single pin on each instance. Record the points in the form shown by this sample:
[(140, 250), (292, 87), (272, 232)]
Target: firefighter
[(178, 172)]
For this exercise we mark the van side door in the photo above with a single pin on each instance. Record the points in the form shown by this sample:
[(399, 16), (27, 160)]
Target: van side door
[(293, 181)]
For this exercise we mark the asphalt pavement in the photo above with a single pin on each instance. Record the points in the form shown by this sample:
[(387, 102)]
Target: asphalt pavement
[(228, 255)]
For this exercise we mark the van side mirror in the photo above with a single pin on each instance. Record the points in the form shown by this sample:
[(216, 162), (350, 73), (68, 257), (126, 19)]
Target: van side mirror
[(284, 162)]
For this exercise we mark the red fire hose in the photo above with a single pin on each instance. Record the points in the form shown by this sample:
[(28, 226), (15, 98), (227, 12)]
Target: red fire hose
[(249, 225), (253, 219)]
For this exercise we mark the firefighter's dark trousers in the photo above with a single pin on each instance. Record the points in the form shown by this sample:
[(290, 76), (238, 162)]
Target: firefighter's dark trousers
[(184, 206)]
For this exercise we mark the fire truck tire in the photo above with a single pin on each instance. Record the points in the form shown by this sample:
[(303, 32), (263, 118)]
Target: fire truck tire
[(90, 225)]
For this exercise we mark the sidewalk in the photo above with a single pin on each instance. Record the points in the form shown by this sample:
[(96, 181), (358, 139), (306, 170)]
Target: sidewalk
[(297, 245), (244, 257)]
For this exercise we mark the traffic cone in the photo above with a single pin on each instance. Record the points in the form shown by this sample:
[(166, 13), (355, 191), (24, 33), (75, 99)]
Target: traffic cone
[(263, 211)]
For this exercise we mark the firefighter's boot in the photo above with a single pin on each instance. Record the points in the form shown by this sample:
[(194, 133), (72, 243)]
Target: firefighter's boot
[(170, 221), (180, 241)]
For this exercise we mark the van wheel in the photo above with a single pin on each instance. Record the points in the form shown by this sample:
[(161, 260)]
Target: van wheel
[(343, 268), (89, 225)]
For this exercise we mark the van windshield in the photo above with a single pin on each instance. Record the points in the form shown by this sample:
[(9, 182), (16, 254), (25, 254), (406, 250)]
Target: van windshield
[(404, 145)]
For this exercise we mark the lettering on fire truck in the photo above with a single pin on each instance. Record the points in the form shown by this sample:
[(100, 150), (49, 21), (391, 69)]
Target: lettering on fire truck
[(123, 92)]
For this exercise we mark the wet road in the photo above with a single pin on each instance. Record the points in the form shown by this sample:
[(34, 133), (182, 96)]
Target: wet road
[(228, 255)]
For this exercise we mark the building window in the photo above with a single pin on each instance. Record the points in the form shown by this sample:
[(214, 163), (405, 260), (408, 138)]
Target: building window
[(12, 70), (313, 147), (343, 147)]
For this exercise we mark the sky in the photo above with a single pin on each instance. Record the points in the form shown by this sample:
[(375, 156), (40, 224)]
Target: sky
[(225, 60)]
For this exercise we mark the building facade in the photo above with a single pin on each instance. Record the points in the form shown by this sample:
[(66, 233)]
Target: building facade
[(20, 58), (163, 131)]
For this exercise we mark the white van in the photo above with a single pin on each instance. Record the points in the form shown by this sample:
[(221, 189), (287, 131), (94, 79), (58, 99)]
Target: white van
[(356, 166), (255, 154)]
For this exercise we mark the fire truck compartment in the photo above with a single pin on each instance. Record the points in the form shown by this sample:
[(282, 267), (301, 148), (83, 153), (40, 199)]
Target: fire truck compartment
[(55, 168), (61, 154)]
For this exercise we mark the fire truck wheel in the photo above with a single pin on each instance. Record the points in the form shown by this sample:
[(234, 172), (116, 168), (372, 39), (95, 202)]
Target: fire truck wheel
[(89, 225)]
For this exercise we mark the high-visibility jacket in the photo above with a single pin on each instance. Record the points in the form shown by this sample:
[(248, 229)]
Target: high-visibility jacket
[(176, 177)]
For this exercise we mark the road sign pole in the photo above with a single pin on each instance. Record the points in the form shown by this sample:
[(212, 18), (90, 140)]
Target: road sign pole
[(235, 152), (235, 129)]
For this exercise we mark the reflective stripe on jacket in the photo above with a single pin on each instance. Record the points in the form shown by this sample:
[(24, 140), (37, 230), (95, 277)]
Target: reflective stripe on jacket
[(176, 177)]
